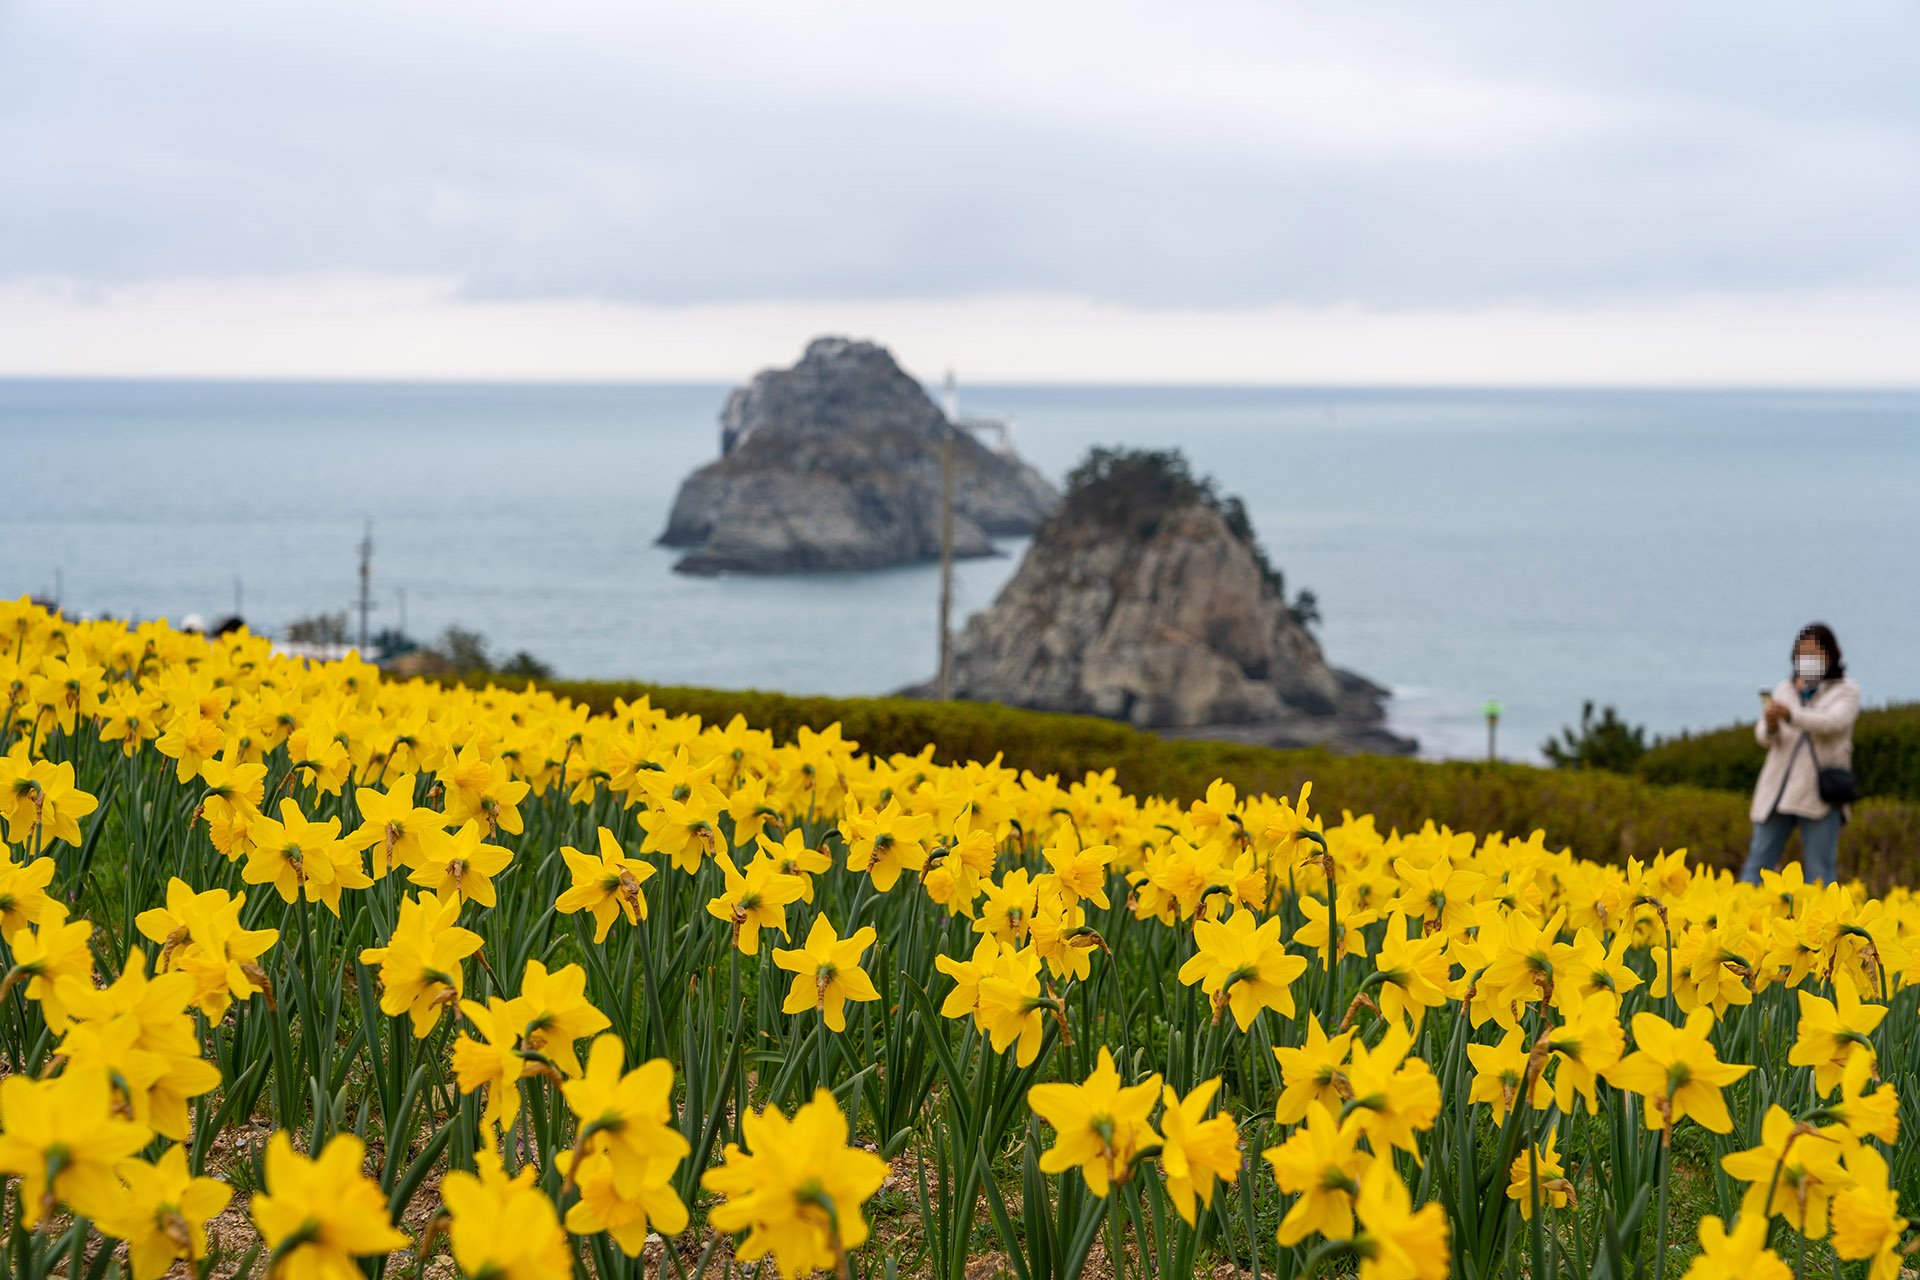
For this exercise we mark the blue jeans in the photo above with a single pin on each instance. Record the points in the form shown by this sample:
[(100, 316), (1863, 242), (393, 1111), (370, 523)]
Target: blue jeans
[(1819, 846)]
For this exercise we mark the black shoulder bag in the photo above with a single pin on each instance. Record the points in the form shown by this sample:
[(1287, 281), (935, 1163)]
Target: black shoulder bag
[(1837, 786)]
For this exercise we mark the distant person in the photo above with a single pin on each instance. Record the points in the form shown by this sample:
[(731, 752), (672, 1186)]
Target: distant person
[(1806, 726)]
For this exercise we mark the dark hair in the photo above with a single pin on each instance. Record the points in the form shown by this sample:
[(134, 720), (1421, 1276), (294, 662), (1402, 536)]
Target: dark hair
[(1822, 634)]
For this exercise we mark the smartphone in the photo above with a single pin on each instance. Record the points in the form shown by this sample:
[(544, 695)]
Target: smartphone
[(1766, 697)]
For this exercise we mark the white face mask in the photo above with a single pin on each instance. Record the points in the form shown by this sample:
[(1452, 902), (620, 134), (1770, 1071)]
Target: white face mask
[(1809, 666)]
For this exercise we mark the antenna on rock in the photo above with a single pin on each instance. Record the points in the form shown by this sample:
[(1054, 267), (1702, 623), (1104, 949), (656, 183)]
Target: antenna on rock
[(946, 555)]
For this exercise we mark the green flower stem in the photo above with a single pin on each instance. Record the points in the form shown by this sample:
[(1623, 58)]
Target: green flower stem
[(1666, 1176)]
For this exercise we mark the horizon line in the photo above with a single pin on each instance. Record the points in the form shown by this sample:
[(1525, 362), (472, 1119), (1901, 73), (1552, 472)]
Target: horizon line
[(433, 380)]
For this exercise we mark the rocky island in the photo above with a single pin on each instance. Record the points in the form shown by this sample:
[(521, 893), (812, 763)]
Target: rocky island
[(837, 463), (1147, 598)]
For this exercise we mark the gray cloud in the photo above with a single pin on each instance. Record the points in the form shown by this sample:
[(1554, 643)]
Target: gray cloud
[(1157, 155)]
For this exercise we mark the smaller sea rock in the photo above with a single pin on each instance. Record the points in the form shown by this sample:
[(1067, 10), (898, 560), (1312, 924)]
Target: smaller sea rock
[(1158, 612)]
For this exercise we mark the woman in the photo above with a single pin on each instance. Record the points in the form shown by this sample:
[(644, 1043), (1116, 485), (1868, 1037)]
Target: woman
[(1807, 727)]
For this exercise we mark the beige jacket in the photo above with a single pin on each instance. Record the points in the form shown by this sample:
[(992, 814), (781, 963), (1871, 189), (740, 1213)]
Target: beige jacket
[(1790, 780)]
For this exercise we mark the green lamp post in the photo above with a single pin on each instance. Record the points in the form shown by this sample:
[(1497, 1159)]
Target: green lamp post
[(1492, 713)]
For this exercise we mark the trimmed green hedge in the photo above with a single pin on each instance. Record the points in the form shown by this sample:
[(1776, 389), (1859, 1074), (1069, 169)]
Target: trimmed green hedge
[(1600, 815), (1886, 756)]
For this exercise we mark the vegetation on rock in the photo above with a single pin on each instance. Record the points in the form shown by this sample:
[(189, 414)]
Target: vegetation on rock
[(1135, 489)]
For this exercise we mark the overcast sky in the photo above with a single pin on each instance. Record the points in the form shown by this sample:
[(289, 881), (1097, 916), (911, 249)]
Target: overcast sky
[(1346, 192)]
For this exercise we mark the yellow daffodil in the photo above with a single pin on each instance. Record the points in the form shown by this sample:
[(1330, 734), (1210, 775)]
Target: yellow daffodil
[(45, 954), (964, 1000), (1099, 1125), (886, 842), (295, 855), (754, 900), (554, 1012), (1311, 1074), (1541, 1167), (458, 863), (1013, 1004), (683, 830), (1393, 1095), (1874, 1114), (1396, 1241), (236, 788), (1008, 910), (607, 886), (1082, 873), (162, 1214), (391, 824), (796, 1189), (1196, 1151), (1322, 1163), (1740, 1254), (627, 1117), (1831, 1033), (200, 935), (420, 967), (826, 972), (61, 1138), (482, 790), (1520, 970), (792, 857), (193, 736), (1678, 1072), (1500, 1074), (316, 1215), (1584, 1047), (1802, 1166), (1713, 967), (1584, 967), (23, 894), (1437, 895), (494, 1062), (137, 1030), (47, 806), (627, 1214), (1413, 973), (1243, 966), (504, 1227), (1866, 1216), (1314, 933)]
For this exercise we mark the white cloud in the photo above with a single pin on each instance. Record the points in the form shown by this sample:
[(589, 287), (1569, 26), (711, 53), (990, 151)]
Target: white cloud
[(366, 326)]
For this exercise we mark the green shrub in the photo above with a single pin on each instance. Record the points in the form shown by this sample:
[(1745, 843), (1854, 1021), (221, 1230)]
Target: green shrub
[(1600, 815), (1886, 756), (1607, 743)]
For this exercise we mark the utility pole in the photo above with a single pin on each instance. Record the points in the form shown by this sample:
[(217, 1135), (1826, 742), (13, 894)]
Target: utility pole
[(366, 584), (946, 563)]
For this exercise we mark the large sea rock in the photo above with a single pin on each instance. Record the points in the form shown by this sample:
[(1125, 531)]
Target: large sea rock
[(836, 464), (1173, 624)]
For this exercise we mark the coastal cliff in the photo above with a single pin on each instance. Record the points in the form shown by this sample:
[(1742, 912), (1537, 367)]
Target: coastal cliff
[(836, 463), (1147, 599)]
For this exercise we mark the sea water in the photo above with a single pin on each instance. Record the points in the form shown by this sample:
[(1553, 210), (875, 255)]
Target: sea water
[(1652, 550)]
